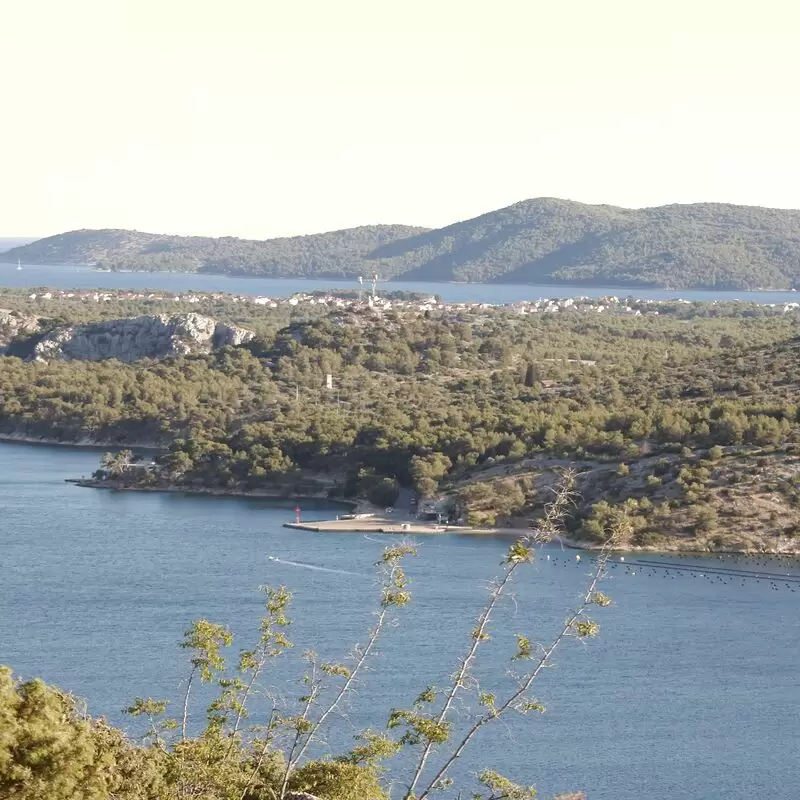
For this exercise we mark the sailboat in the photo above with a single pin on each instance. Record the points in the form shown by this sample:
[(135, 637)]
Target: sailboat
[(19, 264)]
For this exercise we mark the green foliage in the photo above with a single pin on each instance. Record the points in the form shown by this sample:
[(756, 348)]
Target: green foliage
[(393, 555), (116, 463), (527, 706), (519, 552), (427, 472), (603, 515), (148, 707), (418, 727), (205, 639), (601, 599), (383, 492), (338, 780), (705, 518), (585, 628), (524, 648), (484, 501), (426, 697), (394, 591), (502, 788), (48, 751), (337, 670), (375, 747)]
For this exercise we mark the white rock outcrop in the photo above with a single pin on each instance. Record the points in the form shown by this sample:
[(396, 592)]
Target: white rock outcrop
[(14, 324), (139, 337)]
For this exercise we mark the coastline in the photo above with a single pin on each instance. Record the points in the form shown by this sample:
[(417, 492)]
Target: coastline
[(383, 525), (86, 442), (380, 524), (253, 494), (386, 526), (629, 288)]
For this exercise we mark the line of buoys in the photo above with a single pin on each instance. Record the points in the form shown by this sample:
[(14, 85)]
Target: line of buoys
[(721, 570), (711, 572)]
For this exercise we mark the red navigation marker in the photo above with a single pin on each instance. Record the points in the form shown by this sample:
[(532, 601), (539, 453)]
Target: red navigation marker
[(297, 514)]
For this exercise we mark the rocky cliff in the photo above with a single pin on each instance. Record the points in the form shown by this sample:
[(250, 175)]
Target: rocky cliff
[(13, 325), (140, 337)]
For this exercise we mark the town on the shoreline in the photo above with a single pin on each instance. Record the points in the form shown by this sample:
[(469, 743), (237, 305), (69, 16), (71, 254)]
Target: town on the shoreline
[(349, 299)]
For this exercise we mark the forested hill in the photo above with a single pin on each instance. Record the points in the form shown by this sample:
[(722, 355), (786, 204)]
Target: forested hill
[(536, 241), (558, 241), (336, 253)]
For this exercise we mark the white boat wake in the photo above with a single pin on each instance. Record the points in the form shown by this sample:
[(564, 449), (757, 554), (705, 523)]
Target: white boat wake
[(312, 566)]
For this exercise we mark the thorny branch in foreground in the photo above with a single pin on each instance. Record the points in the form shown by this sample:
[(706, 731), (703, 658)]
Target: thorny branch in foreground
[(432, 731), (394, 595)]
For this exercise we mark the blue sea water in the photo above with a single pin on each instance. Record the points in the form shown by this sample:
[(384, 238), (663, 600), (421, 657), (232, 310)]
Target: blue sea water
[(72, 277), (690, 691)]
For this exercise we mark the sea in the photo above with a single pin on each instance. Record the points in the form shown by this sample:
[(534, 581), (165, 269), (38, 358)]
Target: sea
[(690, 690), (75, 277)]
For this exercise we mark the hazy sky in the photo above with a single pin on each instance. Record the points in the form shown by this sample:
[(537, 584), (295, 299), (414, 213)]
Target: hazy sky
[(262, 118)]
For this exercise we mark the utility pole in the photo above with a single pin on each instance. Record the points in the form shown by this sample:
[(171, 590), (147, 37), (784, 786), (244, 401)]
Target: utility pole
[(375, 280)]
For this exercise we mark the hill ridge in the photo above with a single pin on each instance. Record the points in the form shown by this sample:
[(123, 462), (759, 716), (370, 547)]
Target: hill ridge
[(538, 240)]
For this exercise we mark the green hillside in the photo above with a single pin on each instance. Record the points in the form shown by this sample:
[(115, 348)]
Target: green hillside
[(320, 255), (705, 245), (557, 241)]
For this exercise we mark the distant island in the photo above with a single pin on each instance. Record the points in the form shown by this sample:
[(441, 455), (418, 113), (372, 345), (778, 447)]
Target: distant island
[(541, 241)]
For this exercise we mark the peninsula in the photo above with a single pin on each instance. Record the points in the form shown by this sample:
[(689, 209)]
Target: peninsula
[(683, 416)]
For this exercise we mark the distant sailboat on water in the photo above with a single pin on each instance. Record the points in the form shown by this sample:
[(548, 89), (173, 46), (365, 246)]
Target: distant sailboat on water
[(19, 264)]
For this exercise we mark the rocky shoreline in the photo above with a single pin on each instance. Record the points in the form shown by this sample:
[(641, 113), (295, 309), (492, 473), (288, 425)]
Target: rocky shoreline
[(383, 525), (278, 495), (86, 442), (254, 494)]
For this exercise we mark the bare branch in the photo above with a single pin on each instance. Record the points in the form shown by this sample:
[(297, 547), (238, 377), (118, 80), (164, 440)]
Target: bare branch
[(394, 595), (520, 553), (574, 625)]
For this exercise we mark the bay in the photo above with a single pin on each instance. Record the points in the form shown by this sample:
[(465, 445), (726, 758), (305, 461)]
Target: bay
[(690, 691), (72, 277)]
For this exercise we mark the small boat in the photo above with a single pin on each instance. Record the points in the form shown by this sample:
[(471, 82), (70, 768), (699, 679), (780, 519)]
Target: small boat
[(19, 264)]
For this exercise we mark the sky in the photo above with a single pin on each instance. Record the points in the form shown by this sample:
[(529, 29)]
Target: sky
[(261, 118)]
